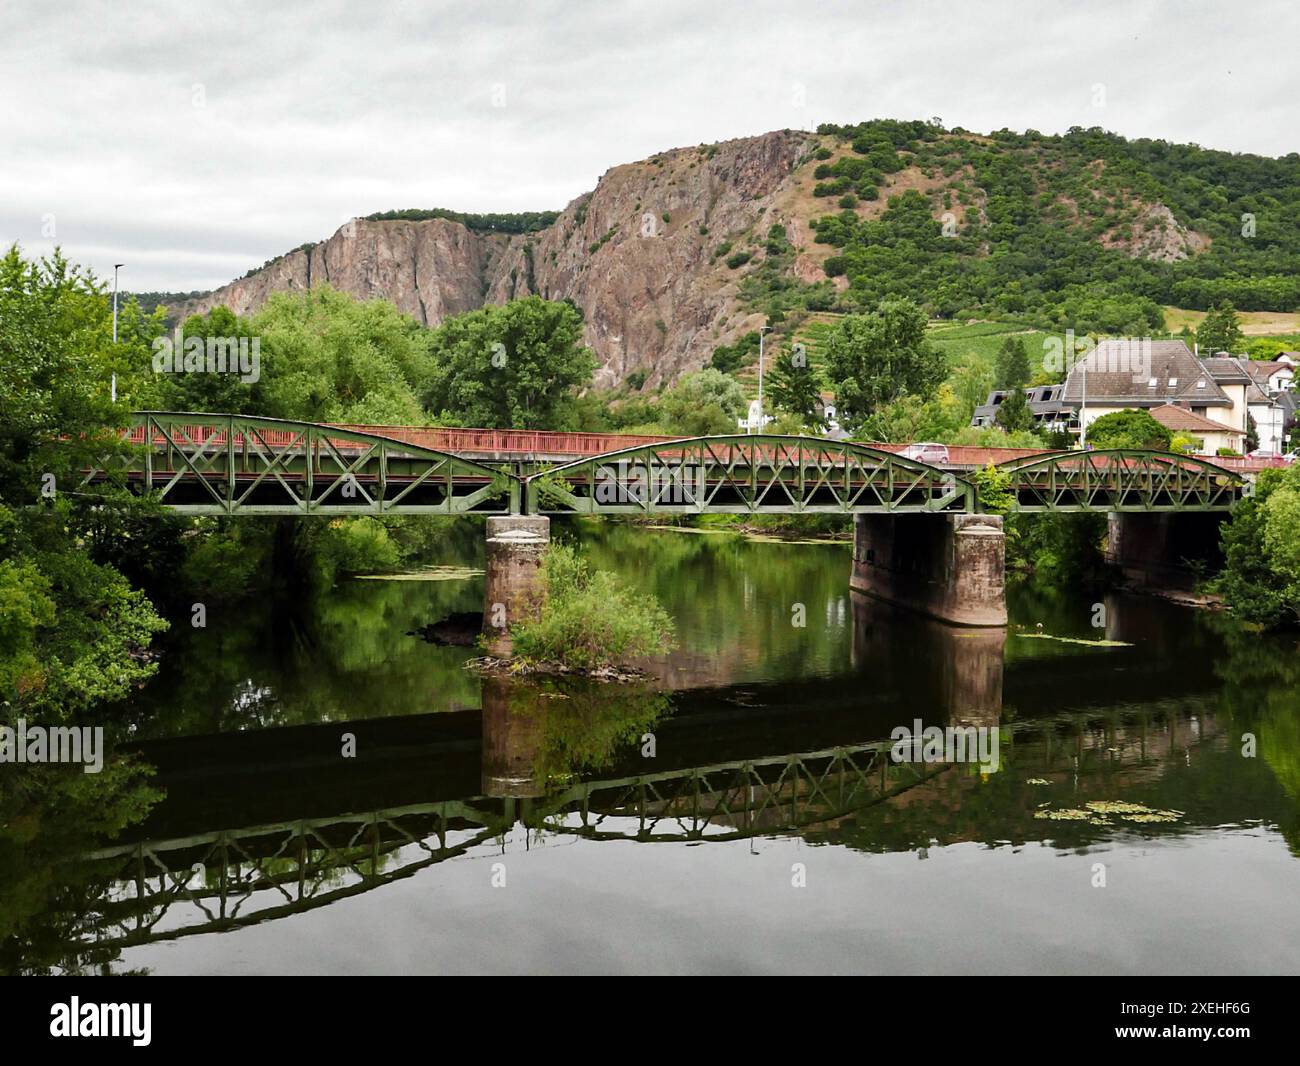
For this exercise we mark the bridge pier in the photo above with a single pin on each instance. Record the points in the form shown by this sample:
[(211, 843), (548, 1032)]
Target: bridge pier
[(513, 726), (515, 546), (1164, 549), (949, 566)]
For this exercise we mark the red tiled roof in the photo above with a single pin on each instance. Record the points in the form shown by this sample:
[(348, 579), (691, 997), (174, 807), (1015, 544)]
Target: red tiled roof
[(1181, 420)]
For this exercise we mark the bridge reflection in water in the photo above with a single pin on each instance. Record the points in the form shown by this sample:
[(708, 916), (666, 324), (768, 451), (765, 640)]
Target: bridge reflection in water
[(567, 762)]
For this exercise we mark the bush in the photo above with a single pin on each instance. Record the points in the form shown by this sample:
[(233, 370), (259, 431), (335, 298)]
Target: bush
[(590, 619), (355, 545), (737, 260), (1129, 429)]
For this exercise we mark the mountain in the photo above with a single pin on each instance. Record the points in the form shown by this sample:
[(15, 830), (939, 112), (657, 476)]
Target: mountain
[(674, 256)]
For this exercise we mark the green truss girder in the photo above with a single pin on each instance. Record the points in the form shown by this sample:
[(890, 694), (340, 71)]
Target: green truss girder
[(746, 474), (243, 465), (1121, 479)]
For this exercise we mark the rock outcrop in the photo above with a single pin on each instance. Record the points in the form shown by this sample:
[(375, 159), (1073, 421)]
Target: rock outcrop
[(637, 255), (655, 256)]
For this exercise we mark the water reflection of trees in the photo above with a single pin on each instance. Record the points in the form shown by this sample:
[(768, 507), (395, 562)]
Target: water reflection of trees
[(344, 655), (541, 733), (734, 600), (51, 816)]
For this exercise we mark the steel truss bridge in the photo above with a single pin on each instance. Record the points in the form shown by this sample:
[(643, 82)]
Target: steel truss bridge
[(238, 465), (167, 889)]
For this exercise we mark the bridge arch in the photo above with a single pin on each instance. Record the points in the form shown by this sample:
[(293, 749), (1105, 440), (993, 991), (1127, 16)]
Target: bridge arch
[(746, 474), (1121, 479), (243, 464)]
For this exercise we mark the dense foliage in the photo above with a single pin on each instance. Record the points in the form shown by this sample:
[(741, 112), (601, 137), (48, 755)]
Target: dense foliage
[(1043, 226), (515, 366), (1261, 547), (73, 631), (493, 222), (876, 359), (590, 619), (1129, 429)]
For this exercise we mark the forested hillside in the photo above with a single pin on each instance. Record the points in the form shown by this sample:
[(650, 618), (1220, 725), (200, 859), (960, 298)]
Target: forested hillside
[(1087, 228), (687, 253)]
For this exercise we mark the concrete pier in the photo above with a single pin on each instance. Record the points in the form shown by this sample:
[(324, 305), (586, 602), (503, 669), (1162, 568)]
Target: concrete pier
[(515, 546), (949, 566), (513, 727), (1164, 550)]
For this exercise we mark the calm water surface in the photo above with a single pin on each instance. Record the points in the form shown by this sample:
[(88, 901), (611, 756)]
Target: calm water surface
[(499, 827)]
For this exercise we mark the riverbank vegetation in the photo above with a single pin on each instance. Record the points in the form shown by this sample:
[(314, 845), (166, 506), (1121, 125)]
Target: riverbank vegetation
[(90, 577), (1260, 579), (590, 620)]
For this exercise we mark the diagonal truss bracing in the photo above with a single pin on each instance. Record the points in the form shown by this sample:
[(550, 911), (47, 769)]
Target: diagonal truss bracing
[(1121, 480), (236, 464), (744, 474)]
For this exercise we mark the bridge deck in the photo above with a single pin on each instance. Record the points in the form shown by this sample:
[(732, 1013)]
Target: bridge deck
[(234, 464)]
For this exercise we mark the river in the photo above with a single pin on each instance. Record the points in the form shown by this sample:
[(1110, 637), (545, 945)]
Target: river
[(329, 793)]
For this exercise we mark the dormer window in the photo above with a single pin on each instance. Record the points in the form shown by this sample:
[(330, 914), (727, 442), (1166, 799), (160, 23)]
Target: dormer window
[(1173, 383), (1152, 383), (1201, 384)]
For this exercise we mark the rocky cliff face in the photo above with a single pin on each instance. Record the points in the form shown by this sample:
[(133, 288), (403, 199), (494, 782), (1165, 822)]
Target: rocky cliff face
[(644, 254), (637, 255), (428, 269)]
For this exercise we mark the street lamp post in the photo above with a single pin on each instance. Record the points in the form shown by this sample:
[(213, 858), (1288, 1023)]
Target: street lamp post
[(762, 336), (1083, 408), (112, 390), (116, 268)]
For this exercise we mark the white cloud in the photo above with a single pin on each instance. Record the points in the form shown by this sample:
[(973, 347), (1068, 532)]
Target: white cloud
[(312, 113)]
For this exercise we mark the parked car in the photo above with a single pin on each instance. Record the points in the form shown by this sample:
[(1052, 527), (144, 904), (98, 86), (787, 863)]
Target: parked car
[(926, 452)]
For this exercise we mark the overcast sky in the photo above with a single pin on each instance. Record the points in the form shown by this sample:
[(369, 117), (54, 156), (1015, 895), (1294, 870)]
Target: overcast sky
[(194, 141)]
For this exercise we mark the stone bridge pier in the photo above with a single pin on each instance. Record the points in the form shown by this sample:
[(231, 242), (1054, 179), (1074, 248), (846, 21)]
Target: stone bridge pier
[(1164, 549), (515, 547), (949, 566)]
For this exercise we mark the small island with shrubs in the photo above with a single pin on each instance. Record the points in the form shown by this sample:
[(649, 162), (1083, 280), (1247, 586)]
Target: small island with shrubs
[(588, 622)]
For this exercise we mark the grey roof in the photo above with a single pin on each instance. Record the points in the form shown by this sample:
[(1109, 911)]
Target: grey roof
[(1119, 372), (1043, 401), (1226, 370)]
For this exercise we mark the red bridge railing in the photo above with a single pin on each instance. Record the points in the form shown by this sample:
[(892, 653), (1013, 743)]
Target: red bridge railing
[(558, 444)]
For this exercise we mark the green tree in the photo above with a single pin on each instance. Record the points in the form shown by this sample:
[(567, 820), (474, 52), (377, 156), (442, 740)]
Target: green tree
[(72, 630), (1012, 365), (794, 386), (1129, 429), (509, 367), (1014, 414), (874, 359), (200, 390), (1260, 578), (703, 403), (1220, 331), (326, 357)]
